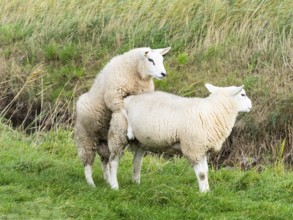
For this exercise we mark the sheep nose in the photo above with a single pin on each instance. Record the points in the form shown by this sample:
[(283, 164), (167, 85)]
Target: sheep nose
[(163, 74)]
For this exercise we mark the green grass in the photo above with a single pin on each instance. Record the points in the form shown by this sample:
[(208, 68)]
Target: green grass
[(50, 52), (42, 178)]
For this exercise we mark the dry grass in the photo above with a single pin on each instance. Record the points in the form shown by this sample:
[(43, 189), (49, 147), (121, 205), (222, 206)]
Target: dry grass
[(50, 52)]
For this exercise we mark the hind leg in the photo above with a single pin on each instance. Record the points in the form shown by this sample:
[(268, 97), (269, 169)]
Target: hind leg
[(117, 142), (137, 162), (106, 169), (104, 153), (88, 173), (86, 152)]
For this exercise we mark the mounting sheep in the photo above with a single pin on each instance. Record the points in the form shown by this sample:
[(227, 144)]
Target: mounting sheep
[(128, 74), (160, 121)]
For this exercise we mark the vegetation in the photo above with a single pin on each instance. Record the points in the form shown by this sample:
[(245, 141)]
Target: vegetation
[(41, 178), (50, 52)]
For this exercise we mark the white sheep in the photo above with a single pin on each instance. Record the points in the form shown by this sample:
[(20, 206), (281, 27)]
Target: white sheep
[(160, 121), (127, 74)]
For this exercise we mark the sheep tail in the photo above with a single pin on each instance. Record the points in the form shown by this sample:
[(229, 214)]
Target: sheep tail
[(130, 134)]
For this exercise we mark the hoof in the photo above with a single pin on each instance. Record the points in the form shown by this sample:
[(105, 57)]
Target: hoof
[(115, 188), (136, 181)]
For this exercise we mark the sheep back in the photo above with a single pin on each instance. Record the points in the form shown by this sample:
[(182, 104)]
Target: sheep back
[(121, 78)]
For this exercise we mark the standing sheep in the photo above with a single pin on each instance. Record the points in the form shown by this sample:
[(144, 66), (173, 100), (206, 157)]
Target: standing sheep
[(127, 74), (161, 121)]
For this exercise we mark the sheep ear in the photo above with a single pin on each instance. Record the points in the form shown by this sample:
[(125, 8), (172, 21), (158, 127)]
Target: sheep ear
[(162, 51), (211, 88), (237, 90)]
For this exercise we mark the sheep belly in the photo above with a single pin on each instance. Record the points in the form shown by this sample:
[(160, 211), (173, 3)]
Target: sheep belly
[(151, 142), (155, 138)]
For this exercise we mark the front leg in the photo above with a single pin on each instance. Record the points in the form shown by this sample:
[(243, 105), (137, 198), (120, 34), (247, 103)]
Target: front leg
[(201, 172), (114, 99)]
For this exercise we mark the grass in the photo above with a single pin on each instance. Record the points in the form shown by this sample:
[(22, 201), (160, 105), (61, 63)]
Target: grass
[(50, 52), (42, 178)]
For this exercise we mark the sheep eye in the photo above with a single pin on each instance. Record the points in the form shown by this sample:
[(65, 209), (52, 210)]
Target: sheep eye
[(243, 95), (151, 60)]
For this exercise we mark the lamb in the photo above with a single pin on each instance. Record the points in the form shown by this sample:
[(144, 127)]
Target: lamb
[(160, 121), (127, 74)]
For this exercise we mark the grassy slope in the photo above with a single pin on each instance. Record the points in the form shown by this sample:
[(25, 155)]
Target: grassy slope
[(41, 178), (50, 51)]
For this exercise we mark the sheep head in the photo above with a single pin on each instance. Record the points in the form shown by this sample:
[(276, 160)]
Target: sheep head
[(238, 94), (152, 63)]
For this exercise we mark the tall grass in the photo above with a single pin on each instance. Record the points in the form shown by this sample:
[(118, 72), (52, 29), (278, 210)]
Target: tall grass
[(50, 51)]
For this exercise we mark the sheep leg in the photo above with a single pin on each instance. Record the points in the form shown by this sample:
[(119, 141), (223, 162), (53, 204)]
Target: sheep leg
[(204, 164), (88, 172), (103, 151), (114, 163), (85, 146), (137, 162), (201, 171), (106, 169), (116, 142)]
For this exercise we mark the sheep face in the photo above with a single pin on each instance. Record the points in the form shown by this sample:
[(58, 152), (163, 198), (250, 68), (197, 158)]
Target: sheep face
[(243, 103), (152, 63)]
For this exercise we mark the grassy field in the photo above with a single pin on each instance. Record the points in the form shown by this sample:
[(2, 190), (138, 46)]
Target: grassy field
[(50, 52), (41, 178)]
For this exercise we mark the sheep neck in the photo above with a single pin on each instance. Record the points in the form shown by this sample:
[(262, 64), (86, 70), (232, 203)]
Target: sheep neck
[(223, 114)]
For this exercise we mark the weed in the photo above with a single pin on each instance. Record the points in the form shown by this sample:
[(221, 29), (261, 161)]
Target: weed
[(279, 162), (182, 58)]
